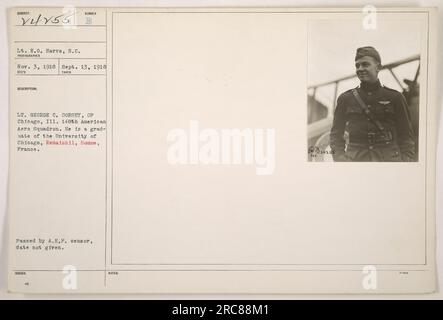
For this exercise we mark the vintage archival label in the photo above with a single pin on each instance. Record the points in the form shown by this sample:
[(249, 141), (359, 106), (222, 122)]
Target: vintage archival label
[(168, 150)]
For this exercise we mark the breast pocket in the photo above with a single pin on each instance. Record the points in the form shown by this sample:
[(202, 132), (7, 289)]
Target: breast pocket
[(353, 110), (383, 109)]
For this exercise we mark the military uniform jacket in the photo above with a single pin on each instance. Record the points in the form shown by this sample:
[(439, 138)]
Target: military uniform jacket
[(365, 141)]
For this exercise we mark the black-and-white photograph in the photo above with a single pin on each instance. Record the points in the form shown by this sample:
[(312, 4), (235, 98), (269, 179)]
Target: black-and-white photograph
[(363, 91)]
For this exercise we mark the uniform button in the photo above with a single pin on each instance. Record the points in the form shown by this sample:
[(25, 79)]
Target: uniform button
[(371, 147)]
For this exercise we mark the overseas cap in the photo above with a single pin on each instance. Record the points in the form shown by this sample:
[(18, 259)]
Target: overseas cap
[(367, 51)]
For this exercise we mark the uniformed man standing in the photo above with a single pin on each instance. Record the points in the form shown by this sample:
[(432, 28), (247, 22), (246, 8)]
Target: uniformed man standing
[(376, 118)]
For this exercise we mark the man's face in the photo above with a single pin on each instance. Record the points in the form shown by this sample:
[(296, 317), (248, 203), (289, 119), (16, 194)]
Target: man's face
[(367, 69)]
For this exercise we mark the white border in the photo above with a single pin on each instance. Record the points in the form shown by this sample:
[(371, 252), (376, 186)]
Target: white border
[(4, 106)]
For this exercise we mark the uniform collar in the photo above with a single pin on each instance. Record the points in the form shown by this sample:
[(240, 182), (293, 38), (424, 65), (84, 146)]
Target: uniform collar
[(368, 87)]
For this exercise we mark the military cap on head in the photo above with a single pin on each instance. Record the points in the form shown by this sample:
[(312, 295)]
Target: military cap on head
[(367, 51)]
